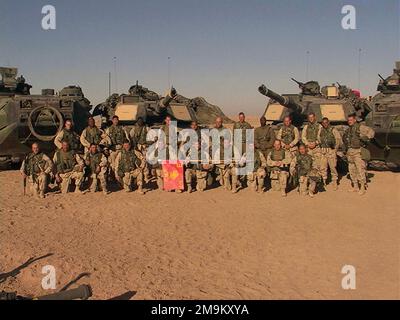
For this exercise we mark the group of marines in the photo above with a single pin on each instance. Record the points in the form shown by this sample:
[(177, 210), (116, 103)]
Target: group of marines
[(281, 156)]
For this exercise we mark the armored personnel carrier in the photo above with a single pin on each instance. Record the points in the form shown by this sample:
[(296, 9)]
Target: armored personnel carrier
[(385, 120), (27, 118), (332, 102)]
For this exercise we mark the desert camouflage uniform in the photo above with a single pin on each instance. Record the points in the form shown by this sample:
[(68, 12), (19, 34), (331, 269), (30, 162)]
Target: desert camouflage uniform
[(353, 139), (94, 135), (138, 136), (243, 126), (128, 166), (329, 139), (69, 136), (279, 164), (256, 179), (289, 136), (264, 138), (306, 173), (117, 135), (97, 164), (310, 134), (196, 171), (224, 170), (37, 168), (69, 166)]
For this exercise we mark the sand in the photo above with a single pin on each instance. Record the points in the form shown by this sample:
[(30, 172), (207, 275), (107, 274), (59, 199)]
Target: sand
[(212, 245)]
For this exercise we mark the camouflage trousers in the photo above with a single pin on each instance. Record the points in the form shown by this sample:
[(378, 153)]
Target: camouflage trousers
[(142, 148), (316, 155), (67, 179), (306, 184), (199, 175), (130, 176), (112, 158), (224, 176), (38, 184), (328, 161), (256, 179), (94, 180), (357, 166), (279, 180), (160, 178), (292, 152)]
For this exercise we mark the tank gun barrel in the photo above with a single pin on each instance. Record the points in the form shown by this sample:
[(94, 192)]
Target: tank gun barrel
[(284, 101)]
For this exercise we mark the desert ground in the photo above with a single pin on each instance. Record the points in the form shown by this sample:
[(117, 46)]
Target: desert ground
[(211, 245)]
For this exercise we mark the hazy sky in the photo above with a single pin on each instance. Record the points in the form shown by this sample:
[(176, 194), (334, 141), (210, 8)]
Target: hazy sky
[(219, 49)]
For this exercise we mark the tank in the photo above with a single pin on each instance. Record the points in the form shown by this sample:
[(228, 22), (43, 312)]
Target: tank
[(26, 118), (333, 101), (147, 104), (385, 120)]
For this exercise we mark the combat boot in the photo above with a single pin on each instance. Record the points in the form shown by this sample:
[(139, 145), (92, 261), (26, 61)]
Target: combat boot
[(140, 190), (311, 194), (335, 185), (260, 188), (362, 191), (234, 188), (283, 193), (190, 189), (355, 187)]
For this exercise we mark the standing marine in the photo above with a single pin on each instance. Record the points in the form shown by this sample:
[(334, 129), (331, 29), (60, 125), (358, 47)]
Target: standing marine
[(309, 137), (117, 135), (69, 135), (264, 138), (289, 136), (329, 141), (93, 135), (355, 138)]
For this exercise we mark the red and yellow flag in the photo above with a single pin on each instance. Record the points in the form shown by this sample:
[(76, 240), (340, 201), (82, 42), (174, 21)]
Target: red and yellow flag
[(173, 175)]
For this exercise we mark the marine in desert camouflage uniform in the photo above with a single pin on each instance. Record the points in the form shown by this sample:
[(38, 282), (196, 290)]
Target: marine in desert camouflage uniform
[(69, 135), (330, 140), (289, 136), (309, 137), (279, 165), (97, 164), (36, 168), (129, 168), (117, 135), (68, 167), (305, 171), (354, 139), (93, 135)]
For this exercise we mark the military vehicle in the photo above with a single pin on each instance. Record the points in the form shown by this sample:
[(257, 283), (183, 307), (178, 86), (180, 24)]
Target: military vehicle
[(334, 102), (27, 118), (385, 120), (152, 108)]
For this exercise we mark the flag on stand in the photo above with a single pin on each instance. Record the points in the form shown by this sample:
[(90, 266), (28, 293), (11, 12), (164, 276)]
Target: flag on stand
[(173, 175)]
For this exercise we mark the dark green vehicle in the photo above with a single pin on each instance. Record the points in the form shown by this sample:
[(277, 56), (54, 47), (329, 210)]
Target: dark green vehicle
[(27, 118), (385, 120)]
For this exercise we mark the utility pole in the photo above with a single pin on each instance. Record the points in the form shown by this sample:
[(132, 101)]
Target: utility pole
[(359, 70), (115, 74), (307, 65), (169, 72)]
